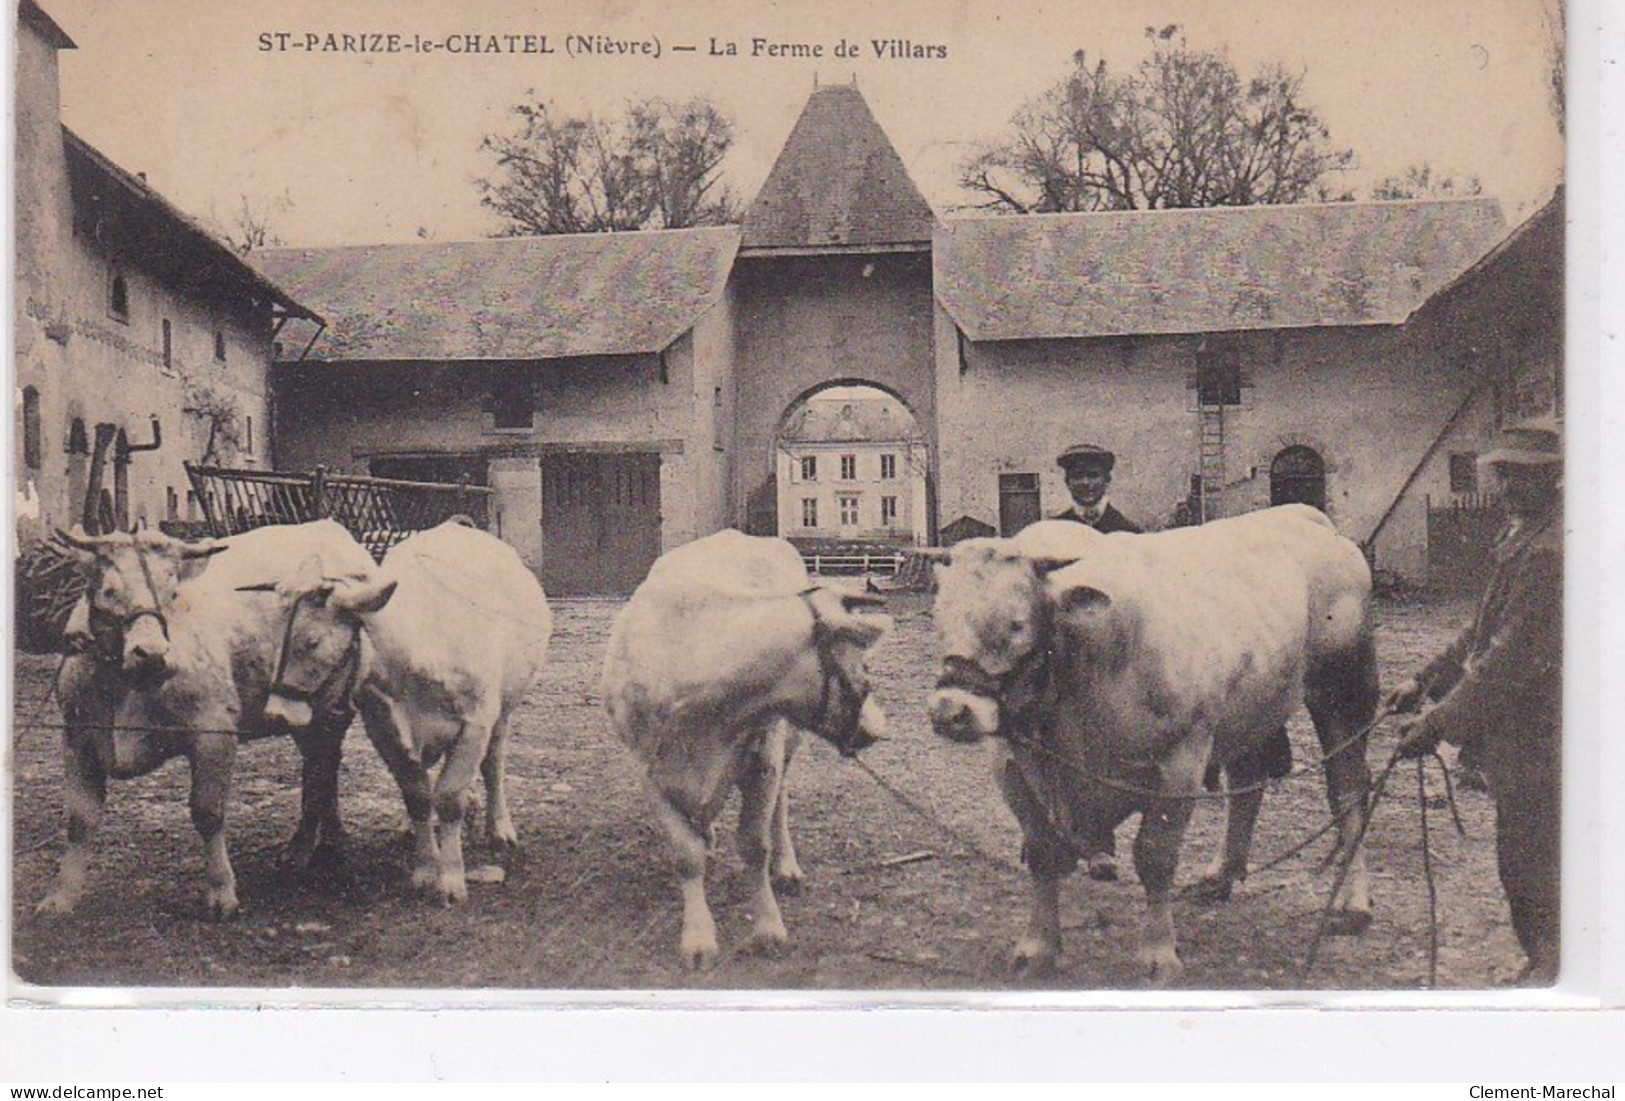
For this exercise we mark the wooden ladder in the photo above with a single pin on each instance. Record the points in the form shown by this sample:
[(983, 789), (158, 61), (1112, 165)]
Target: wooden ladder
[(1211, 462)]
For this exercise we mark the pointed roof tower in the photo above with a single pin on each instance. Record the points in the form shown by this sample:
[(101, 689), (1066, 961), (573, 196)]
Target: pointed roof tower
[(838, 186)]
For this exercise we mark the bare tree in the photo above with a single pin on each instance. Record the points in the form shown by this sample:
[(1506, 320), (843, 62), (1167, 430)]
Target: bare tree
[(654, 168), (1419, 182), (250, 227), (1183, 129)]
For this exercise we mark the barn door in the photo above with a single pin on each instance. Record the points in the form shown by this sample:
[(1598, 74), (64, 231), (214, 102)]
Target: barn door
[(600, 522)]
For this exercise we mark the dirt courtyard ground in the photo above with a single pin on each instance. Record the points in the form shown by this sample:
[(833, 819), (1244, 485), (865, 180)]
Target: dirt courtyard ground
[(591, 904)]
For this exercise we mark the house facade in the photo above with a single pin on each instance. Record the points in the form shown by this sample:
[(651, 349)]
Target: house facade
[(1232, 358), (140, 340), (852, 469)]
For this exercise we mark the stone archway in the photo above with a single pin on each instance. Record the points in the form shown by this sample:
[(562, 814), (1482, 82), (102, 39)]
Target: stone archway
[(1298, 475), (849, 462)]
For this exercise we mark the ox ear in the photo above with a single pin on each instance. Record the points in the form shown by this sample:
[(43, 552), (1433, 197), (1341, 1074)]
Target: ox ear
[(1082, 598), (360, 598), (850, 600), (865, 630)]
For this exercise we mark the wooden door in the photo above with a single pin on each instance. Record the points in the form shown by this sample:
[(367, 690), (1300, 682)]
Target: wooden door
[(1018, 502), (600, 522)]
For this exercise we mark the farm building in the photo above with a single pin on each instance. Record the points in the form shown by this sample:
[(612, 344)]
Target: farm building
[(852, 468), (141, 340), (627, 393)]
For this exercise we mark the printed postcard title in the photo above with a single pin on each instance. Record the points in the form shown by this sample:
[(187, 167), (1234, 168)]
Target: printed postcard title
[(589, 46)]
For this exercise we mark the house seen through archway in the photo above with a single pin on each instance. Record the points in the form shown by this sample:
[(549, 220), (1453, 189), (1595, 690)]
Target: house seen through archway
[(851, 468)]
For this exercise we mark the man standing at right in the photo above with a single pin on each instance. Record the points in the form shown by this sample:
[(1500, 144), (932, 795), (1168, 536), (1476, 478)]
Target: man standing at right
[(1088, 471), (1498, 692)]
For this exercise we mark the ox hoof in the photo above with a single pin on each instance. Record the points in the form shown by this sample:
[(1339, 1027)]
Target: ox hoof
[(1211, 888), (57, 904), (698, 953), (1161, 965), (1103, 868), (452, 889), (1034, 958), (1348, 923), (787, 881), (767, 940), (221, 905)]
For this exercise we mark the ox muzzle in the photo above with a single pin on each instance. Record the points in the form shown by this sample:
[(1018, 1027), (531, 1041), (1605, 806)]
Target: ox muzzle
[(965, 705)]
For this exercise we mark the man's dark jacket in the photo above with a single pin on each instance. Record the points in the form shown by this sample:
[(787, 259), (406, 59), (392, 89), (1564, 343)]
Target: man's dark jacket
[(1110, 520)]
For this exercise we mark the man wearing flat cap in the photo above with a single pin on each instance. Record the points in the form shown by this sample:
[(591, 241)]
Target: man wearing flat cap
[(1497, 691), (1088, 472)]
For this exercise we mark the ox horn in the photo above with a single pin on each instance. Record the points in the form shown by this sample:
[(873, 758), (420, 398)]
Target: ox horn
[(260, 587), (202, 550), (935, 554), (77, 539)]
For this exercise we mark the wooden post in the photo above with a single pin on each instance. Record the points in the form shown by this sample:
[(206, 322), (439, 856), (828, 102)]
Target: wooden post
[(318, 493)]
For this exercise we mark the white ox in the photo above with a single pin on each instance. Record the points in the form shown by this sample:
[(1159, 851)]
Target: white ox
[(450, 634), (1118, 669), (179, 665), (723, 652)]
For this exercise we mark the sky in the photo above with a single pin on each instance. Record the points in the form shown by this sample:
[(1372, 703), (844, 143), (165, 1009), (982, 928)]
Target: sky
[(348, 148)]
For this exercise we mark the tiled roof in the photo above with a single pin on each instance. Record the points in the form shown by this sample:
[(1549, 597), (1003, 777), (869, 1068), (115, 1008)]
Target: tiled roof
[(157, 235), (1208, 270), (858, 420), (509, 298), (838, 184)]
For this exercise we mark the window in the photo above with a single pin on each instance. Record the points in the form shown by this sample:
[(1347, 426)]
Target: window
[(888, 512), (169, 348), (1463, 472), (849, 509), (33, 449), (513, 403), (849, 468), (888, 466), (809, 472), (1218, 376), (248, 435), (220, 345), (118, 297), (809, 511)]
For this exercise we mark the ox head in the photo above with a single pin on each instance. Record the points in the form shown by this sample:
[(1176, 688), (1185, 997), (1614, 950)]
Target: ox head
[(994, 620), (318, 660), (133, 579), (843, 713)]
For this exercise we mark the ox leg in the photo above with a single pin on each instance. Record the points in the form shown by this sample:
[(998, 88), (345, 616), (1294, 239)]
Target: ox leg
[(212, 757), (689, 845), (1049, 859), (1156, 859), (493, 770), (321, 748), (413, 780), (761, 783), (451, 805), (85, 784), (1244, 777), (1342, 698), (786, 868)]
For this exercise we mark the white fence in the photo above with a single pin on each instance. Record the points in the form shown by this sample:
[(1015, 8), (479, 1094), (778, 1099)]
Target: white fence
[(883, 564)]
